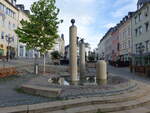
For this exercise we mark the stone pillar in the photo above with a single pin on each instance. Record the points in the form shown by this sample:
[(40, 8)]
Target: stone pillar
[(73, 52), (101, 72), (82, 60)]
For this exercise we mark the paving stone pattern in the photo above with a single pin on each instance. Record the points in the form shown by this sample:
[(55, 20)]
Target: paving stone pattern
[(9, 97)]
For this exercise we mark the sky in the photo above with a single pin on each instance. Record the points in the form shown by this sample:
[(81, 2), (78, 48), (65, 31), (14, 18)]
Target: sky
[(93, 17)]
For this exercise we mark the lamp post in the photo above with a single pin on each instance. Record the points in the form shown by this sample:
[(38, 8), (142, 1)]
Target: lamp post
[(9, 40)]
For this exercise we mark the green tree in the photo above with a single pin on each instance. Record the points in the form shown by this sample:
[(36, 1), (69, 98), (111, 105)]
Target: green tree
[(41, 30)]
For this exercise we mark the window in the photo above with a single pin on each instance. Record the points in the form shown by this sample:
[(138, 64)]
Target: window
[(14, 27), (140, 30), (147, 42), (118, 46), (129, 43), (129, 31), (136, 20), (13, 38), (146, 11), (136, 32), (1, 7), (147, 26), (149, 46), (9, 25), (136, 48), (140, 17), (7, 11), (2, 35)]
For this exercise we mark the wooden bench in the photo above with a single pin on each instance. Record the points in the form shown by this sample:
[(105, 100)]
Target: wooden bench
[(5, 72)]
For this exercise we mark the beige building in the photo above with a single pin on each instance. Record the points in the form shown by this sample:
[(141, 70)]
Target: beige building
[(125, 38), (8, 23), (10, 16), (22, 50)]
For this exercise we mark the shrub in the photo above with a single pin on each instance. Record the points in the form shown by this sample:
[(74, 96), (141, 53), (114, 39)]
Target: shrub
[(55, 55)]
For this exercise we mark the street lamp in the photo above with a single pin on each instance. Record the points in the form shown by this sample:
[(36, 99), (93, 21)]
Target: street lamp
[(9, 40)]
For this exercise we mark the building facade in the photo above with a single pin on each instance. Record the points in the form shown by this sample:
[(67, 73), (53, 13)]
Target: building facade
[(141, 34), (130, 39), (115, 44), (10, 16), (125, 38), (58, 46), (87, 51), (108, 45), (8, 23)]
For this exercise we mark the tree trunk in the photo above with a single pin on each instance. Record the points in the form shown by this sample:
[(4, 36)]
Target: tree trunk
[(44, 63)]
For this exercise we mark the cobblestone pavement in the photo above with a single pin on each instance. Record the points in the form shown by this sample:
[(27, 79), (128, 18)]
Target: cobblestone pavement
[(9, 96), (125, 72)]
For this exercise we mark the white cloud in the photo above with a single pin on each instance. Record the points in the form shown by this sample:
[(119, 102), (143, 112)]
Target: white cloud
[(87, 1), (120, 12), (90, 16), (109, 25), (120, 2)]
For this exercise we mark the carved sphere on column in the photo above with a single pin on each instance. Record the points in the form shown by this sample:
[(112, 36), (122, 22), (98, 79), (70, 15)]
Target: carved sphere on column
[(73, 21)]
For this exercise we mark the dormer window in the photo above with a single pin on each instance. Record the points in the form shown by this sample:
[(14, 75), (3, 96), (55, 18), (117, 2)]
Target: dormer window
[(140, 3), (146, 11)]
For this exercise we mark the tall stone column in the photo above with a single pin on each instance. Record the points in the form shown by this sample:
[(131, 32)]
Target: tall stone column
[(82, 60), (73, 52)]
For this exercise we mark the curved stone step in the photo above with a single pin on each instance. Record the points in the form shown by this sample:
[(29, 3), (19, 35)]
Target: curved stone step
[(130, 106), (89, 105), (123, 107), (92, 109), (136, 110)]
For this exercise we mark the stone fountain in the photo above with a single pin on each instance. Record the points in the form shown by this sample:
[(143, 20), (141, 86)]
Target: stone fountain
[(82, 84)]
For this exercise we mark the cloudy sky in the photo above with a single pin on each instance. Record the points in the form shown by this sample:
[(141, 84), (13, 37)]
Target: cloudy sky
[(93, 17)]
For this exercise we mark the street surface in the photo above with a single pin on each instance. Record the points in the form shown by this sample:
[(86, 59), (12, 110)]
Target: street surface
[(10, 97)]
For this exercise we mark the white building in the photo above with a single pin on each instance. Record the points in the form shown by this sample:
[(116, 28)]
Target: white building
[(87, 50), (58, 46)]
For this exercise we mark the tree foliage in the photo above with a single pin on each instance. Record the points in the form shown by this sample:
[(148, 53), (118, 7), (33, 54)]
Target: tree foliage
[(40, 32)]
